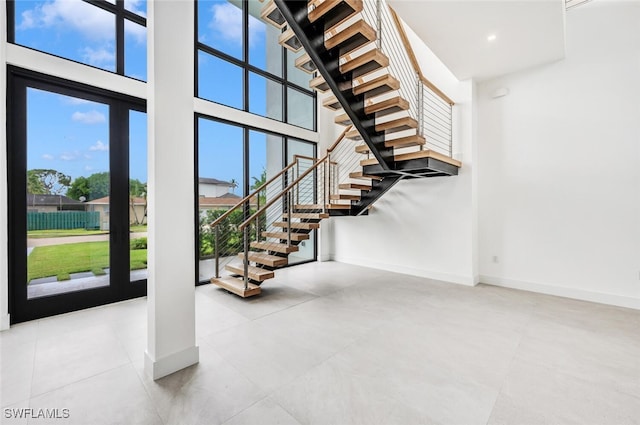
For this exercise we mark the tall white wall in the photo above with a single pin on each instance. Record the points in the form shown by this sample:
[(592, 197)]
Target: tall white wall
[(422, 227), (559, 165), (4, 242)]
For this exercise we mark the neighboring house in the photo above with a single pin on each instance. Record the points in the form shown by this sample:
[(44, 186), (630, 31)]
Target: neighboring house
[(101, 205), (213, 188), (224, 202), (52, 203)]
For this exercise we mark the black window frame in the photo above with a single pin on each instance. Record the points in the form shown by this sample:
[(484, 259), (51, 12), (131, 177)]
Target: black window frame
[(121, 15), (247, 68)]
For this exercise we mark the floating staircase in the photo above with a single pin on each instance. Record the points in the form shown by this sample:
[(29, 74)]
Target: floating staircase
[(398, 126)]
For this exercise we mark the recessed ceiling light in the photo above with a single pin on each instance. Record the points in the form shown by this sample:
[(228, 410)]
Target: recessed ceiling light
[(492, 37)]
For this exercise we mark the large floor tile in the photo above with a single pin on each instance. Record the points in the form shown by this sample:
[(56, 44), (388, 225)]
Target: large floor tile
[(534, 394), (16, 370), (265, 412), (75, 355), (113, 397)]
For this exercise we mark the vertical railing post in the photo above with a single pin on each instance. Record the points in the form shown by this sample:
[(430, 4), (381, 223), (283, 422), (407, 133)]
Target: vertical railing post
[(246, 258), (289, 202), (451, 131), (217, 248), (420, 108), (325, 190), (257, 216)]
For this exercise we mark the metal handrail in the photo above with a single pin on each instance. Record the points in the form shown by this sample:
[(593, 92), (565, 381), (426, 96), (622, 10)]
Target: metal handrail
[(256, 192)]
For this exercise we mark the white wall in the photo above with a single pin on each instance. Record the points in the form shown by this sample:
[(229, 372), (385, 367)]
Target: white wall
[(559, 165), (422, 227)]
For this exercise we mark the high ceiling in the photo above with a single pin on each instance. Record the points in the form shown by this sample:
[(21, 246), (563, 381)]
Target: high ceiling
[(483, 39)]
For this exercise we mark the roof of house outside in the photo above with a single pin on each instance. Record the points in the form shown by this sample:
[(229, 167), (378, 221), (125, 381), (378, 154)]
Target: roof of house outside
[(230, 195), (50, 200), (105, 201), (207, 180)]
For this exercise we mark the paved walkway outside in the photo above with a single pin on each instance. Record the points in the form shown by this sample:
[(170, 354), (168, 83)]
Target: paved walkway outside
[(31, 243)]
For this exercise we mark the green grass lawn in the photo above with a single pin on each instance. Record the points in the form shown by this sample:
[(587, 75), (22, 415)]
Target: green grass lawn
[(138, 228), (61, 233), (62, 260)]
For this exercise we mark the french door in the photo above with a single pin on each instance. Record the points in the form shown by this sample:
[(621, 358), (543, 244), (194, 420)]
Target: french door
[(77, 196)]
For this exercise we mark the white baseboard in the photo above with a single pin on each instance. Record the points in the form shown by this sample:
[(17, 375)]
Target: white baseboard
[(5, 322), (159, 368), (429, 274), (561, 291)]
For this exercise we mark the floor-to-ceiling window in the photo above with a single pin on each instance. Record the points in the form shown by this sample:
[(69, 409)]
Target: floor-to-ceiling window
[(78, 158), (240, 64)]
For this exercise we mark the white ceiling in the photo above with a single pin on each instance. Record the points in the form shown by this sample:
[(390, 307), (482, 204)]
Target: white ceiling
[(527, 33)]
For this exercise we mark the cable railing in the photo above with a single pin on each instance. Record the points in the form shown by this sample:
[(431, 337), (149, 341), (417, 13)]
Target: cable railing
[(269, 218), (428, 105)]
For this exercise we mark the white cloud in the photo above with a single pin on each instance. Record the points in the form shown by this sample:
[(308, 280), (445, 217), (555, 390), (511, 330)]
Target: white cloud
[(91, 117), (99, 57), (48, 157), (134, 6), (227, 22), (99, 147), (93, 22), (70, 156), (88, 168)]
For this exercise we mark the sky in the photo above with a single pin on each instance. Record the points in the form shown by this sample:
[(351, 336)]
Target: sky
[(72, 135)]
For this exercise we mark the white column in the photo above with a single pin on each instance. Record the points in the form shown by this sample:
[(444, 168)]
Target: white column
[(4, 242), (171, 344)]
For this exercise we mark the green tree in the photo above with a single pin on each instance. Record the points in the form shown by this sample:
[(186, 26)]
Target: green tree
[(93, 187), (137, 189), (41, 181), (234, 184)]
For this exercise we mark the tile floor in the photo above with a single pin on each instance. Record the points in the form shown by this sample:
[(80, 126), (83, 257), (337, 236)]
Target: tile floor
[(329, 343)]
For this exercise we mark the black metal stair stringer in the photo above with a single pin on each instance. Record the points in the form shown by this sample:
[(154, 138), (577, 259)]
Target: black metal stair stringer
[(311, 36), (378, 189)]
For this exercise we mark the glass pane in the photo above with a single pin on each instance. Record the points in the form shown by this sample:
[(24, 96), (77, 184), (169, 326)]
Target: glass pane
[(139, 7), (67, 194), (265, 97), (138, 195), (300, 109), (135, 50), (264, 51), (296, 75), (72, 29), (219, 81), (220, 26), (306, 195), (220, 187)]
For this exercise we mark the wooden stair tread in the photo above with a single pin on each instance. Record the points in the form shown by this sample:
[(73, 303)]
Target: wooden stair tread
[(361, 175), (318, 83), (428, 154), (376, 86), (400, 124), (353, 134), (236, 286), (370, 161), (282, 248), (401, 142), (305, 63), (345, 197), (264, 258), (349, 37), (354, 186), (271, 14), (319, 8), (297, 225), (362, 149), (331, 102), (289, 40), (342, 119), (306, 216), (386, 107), (365, 62), (416, 155), (255, 273), (320, 206), (296, 237)]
